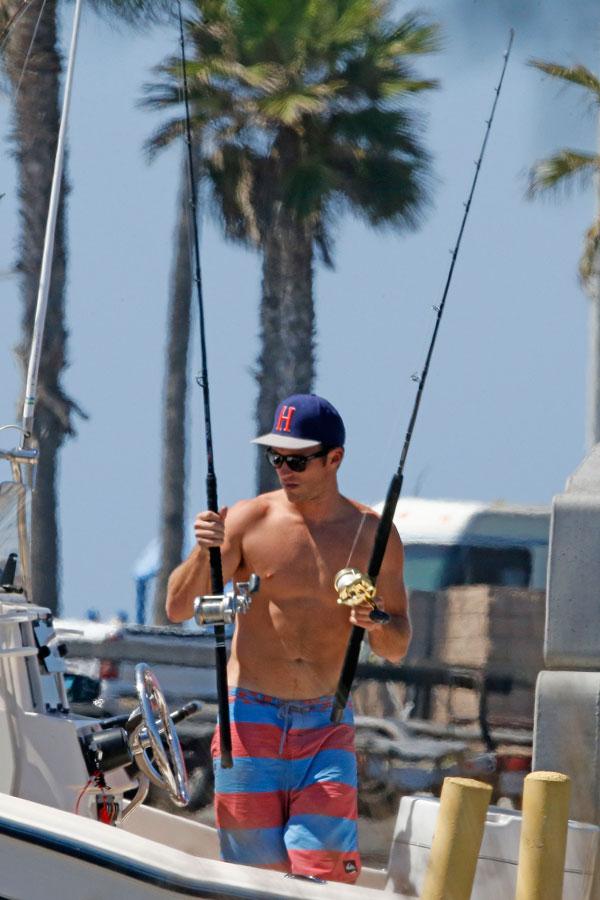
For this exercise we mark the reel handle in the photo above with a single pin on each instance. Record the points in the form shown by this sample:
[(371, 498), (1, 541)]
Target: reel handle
[(379, 616)]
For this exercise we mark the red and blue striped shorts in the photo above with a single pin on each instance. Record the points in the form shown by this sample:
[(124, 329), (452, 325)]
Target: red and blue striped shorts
[(289, 801)]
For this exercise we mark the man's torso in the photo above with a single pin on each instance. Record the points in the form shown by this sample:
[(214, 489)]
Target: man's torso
[(291, 642)]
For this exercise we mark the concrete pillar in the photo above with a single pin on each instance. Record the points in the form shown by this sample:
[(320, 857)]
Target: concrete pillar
[(567, 736), (572, 639), (567, 712)]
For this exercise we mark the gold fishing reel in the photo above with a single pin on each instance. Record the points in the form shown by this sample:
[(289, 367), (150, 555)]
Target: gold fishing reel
[(354, 587)]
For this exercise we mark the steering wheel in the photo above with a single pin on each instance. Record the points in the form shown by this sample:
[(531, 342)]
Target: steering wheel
[(157, 733)]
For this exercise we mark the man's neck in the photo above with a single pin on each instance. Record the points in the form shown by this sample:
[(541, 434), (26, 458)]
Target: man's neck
[(323, 508)]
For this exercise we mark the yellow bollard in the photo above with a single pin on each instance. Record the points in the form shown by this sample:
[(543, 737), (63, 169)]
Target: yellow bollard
[(543, 836), (456, 840)]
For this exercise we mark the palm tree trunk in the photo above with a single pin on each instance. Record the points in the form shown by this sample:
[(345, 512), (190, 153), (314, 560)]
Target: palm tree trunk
[(593, 391), (172, 532), (593, 386), (36, 118), (286, 363)]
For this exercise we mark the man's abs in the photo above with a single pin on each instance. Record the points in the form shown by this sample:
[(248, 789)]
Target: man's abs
[(285, 660)]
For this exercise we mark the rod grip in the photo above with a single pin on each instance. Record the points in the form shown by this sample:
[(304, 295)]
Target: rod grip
[(347, 676), (216, 582), (223, 700)]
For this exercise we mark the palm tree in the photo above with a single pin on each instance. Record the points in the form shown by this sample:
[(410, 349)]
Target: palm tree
[(31, 60), (301, 112), (561, 170)]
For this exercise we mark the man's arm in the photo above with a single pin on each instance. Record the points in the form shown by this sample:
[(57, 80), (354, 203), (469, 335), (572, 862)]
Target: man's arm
[(191, 579), (392, 639)]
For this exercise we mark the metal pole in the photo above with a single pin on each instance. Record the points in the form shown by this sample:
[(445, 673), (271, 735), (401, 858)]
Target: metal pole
[(48, 251)]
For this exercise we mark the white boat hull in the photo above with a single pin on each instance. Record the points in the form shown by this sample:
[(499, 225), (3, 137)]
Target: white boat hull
[(47, 853)]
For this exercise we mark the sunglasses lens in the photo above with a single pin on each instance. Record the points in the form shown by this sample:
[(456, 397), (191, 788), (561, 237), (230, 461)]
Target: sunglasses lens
[(275, 459), (296, 463)]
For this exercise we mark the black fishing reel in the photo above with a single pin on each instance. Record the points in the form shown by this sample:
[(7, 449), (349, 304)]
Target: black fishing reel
[(221, 609)]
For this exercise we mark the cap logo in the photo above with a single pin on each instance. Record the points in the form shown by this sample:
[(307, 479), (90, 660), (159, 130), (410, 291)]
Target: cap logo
[(284, 421)]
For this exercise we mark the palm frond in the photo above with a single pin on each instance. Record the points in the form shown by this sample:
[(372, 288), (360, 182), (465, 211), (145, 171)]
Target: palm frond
[(392, 130), (414, 37), (212, 68), (562, 170), (391, 88), (140, 13), (157, 95), (289, 107), (307, 102), (341, 25), (578, 75), (163, 136)]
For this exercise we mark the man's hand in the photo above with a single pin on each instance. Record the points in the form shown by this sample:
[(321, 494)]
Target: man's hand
[(209, 528), (360, 616)]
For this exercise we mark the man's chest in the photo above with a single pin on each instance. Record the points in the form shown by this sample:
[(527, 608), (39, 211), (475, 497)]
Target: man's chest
[(297, 560)]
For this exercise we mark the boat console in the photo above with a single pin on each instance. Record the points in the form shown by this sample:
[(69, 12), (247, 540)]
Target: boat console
[(49, 755)]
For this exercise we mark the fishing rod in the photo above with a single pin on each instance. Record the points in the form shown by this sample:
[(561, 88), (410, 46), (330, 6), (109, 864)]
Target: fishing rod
[(353, 586), (216, 570)]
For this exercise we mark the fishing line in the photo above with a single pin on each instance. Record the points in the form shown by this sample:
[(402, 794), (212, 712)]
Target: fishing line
[(216, 571), (385, 522)]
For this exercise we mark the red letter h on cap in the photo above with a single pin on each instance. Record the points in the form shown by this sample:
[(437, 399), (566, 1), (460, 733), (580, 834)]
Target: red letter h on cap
[(285, 418)]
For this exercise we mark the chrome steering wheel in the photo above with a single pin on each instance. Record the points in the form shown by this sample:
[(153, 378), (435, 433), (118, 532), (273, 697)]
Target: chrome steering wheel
[(157, 733)]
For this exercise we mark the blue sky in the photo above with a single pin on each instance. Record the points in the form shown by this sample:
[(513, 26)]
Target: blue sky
[(503, 412)]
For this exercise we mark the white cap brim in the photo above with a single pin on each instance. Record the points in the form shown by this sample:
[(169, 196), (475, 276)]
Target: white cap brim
[(285, 442)]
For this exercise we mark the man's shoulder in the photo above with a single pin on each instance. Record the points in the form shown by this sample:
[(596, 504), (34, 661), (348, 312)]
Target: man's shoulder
[(370, 518), (251, 510), (362, 509)]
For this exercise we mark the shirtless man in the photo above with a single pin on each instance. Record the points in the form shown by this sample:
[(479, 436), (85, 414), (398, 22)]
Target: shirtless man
[(289, 802)]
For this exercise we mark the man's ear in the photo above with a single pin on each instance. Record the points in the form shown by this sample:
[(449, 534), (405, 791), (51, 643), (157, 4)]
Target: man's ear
[(337, 456)]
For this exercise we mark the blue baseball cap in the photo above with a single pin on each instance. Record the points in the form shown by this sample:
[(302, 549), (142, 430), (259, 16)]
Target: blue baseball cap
[(304, 420)]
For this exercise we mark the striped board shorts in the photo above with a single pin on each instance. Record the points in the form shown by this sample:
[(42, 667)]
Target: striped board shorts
[(289, 802)]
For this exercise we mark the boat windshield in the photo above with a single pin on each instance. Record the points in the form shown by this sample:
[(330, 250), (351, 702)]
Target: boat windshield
[(13, 518)]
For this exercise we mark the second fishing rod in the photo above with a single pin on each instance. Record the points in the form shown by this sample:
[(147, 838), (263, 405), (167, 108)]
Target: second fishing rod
[(220, 607), (353, 586)]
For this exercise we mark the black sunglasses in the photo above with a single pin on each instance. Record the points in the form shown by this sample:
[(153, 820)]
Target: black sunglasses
[(295, 463)]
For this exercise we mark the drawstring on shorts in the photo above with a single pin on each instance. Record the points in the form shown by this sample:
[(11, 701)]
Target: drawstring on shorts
[(285, 712)]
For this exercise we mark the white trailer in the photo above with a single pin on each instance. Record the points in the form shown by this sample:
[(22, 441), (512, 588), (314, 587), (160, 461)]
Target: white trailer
[(454, 542)]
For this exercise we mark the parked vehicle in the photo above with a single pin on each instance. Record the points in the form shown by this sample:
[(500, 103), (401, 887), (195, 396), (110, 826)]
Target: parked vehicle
[(455, 542)]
